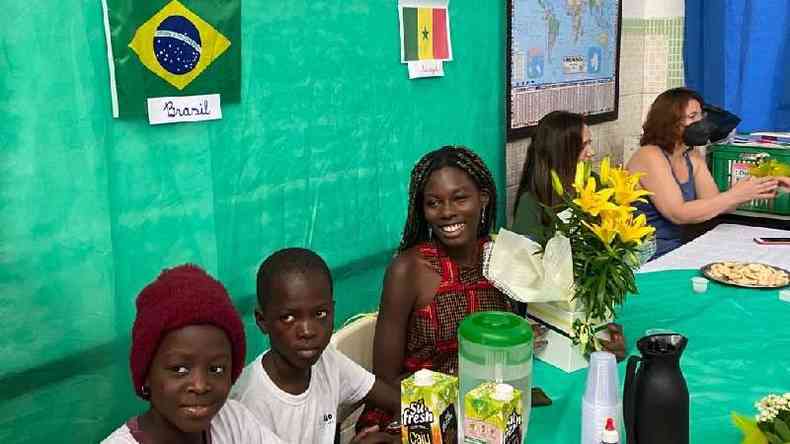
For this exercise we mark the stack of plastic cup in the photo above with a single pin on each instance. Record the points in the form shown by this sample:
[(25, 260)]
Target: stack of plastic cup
[(601, 397)]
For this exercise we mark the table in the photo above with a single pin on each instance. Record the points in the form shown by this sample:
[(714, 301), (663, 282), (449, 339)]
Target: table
[(738, 351), (764, 216), (725, 242)]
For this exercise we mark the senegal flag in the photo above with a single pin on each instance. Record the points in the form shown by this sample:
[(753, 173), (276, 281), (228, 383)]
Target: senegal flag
[(426, 34), (159, 48)]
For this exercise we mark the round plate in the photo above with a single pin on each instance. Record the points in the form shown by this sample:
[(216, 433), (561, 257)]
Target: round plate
[(706, 271)]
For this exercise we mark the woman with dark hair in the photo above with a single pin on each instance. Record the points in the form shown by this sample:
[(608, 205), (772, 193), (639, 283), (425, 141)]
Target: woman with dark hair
[(561, 140), (436, 278), (684, 191)]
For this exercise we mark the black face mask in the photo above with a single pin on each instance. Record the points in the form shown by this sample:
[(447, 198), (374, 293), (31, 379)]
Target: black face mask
[(715, 126), (698, 133)]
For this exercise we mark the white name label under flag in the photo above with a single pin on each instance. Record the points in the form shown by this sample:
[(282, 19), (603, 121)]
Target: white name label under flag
[(426, 68), (184, 109)]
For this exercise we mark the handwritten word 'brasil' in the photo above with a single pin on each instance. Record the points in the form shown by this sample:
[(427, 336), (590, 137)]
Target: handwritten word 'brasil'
[(172, 111)]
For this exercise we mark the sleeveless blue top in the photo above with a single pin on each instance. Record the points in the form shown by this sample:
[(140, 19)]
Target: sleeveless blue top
[(669, 234)]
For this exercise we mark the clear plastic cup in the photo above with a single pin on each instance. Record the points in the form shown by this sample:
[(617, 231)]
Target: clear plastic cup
[(601, 396), (602, 380), (699, 284)]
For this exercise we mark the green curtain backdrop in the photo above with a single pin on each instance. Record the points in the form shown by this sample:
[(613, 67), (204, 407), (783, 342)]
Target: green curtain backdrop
[(317, 154)]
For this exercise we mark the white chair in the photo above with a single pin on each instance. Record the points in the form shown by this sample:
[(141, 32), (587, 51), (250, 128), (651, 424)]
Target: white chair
[(355, 340)]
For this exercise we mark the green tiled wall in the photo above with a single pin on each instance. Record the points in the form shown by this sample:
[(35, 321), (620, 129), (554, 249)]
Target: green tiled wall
[(672, 30)]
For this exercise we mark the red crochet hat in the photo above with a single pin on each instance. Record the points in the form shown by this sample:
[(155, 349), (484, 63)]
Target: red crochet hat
[(179, 297)]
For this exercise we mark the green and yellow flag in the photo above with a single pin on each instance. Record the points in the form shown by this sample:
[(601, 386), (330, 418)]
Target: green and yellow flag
[(426, 34), (159, 48)]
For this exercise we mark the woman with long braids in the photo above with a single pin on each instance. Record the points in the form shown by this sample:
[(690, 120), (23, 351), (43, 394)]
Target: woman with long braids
[(436, 277)]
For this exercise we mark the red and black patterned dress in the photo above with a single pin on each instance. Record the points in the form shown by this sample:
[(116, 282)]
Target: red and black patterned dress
[(432, 336)]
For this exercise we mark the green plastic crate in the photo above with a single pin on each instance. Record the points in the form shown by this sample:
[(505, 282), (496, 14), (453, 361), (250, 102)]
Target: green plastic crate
[(729, 163)]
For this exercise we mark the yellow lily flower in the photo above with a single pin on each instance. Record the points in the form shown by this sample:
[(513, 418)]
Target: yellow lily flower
[(606, 231), (593, 202), (626, 187), (605, 168), (620, 212), (634, 229)]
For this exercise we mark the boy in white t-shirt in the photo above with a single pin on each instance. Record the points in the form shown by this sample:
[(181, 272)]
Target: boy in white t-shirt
[(296, 386)]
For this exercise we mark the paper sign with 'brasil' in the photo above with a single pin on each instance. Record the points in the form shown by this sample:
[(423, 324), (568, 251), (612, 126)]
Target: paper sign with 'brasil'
[(171, 48), (426, 34)]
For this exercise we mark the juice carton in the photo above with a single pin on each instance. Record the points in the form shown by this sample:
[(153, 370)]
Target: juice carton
[(428, 408), (492, 414)]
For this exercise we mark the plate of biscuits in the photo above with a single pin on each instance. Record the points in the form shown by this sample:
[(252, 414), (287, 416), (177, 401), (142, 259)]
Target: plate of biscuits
[(747, 274)]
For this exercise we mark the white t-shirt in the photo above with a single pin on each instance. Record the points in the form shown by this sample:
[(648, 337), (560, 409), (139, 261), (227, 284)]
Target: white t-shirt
[(309, 417), (234, 424)]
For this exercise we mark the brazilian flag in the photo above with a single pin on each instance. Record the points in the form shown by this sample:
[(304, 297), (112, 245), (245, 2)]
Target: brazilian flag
[(159, 48)]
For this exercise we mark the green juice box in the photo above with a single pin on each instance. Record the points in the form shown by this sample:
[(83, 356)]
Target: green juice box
[(428, 408), (492, 414)]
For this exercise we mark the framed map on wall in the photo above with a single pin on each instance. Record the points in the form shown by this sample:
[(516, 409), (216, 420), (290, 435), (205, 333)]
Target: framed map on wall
[(562, 55)]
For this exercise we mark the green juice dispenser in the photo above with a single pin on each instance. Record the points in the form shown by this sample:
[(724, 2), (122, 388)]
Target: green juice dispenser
[(495, 347)]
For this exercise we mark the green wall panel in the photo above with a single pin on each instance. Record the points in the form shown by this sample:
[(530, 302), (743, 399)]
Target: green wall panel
[(317, 154)]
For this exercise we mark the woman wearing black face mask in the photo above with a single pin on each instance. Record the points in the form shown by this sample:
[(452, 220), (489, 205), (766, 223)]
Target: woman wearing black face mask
[(683, 189)]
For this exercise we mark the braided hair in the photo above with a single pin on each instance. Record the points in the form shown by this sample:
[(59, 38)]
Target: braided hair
[(416, 229)]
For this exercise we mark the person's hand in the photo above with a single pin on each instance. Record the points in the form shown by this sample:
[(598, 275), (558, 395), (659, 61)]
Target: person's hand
[(783, 182), (539, 340), (616, 342), (754, 188), (372, 435)]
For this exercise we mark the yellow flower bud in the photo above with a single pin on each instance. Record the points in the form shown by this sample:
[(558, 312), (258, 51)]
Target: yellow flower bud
[(556, 183)]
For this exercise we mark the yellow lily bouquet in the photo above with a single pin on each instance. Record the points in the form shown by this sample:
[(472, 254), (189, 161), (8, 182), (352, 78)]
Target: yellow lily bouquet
[(605, 238)]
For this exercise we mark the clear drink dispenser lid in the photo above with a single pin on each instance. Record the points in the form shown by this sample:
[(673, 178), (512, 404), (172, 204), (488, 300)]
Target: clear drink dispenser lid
[(495, 329)]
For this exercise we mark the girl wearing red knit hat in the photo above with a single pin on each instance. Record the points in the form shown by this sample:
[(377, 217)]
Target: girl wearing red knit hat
[(187, 350)]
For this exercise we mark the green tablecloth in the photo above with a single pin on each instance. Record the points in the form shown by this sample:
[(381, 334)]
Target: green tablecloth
[(738, 351)]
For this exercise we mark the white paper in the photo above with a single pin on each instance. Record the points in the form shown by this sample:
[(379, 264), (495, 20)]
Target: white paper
[(517, 267), (423, 3), (426, 68), (771, 133), (565, 215), (184, 109)]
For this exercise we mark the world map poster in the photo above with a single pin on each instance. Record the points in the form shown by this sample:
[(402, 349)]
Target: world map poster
[(563, 55)]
